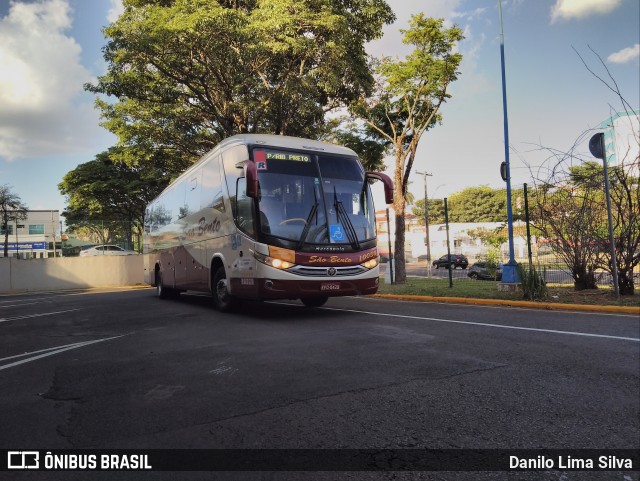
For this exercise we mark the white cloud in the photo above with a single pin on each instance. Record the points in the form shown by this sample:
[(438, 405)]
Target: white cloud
[(625, 55), (40, 83), (579, 9), (115, 10)]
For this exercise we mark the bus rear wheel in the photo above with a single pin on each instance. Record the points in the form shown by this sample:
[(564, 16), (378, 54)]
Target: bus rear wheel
[(314, 301), (222, 299), (161, 291)]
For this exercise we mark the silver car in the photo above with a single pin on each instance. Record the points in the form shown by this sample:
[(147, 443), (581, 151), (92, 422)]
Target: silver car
[(479, 270), (105, 250)]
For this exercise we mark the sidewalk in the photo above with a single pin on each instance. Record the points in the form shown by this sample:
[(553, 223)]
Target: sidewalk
[(510, 303)]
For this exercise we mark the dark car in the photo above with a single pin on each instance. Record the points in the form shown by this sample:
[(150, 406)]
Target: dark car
[(479, 270), (456, 260)]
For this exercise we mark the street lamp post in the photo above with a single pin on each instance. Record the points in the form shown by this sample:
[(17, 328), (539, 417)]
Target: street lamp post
[(426, 215), (509, 270)]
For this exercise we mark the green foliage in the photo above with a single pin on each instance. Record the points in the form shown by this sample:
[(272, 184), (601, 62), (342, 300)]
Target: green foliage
[(11, 209), (189, 73), (491, 260), (491, 237), (435, 212), (533, 285), (370, 148), (478, 204), (406, 103), (104, 195)]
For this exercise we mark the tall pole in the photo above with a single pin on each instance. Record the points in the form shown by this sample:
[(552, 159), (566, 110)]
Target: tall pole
[(527, 222), (612, 242), (390, 264), (426, 215), (446, 222), (53, 233), (509, 271)]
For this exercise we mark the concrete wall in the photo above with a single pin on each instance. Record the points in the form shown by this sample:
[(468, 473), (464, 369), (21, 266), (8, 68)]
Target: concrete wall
[(70, 272)]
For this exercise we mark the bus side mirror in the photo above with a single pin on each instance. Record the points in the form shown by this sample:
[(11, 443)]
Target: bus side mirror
[(251, 174), (386, 181)]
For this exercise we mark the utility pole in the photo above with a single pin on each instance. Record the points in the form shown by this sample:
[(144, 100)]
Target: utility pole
[(426, 215), (509, 270)]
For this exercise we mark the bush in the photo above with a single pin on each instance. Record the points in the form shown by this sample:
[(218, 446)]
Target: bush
[(533, 284)]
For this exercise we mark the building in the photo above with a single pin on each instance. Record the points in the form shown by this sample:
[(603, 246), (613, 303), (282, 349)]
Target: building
[(460, 242), (37, 236)]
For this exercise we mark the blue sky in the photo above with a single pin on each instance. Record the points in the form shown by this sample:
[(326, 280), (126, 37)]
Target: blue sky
[(49, 48)]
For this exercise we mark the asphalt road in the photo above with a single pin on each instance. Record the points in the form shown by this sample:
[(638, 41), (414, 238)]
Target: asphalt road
[(125, 370)]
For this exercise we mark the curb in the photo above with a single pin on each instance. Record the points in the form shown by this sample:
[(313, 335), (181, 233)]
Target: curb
[(504, 303)]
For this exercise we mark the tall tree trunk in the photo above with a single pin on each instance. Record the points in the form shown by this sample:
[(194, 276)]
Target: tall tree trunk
[(398, 255), (399, 206)]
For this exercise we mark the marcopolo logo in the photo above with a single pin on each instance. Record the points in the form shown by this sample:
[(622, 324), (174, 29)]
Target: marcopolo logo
[(23, 460)]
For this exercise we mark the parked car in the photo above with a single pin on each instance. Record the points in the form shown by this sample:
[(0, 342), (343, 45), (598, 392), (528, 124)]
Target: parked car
[(105, 250), (479, 270), (456, 260)]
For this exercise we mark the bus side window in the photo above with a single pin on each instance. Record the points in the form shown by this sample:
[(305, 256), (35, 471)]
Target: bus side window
[(244, 208)]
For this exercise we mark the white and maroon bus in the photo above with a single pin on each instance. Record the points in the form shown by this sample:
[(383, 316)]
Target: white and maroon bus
[(266, 217)]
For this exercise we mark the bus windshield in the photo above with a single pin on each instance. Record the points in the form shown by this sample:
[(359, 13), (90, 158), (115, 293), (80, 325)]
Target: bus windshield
[(313, 198)]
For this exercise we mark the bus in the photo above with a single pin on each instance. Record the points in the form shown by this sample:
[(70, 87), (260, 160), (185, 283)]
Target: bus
[(266, 217)]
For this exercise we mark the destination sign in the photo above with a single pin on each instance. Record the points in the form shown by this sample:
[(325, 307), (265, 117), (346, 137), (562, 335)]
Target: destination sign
[(275, 155)]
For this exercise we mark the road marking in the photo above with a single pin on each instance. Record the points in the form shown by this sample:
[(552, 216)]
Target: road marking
[(59, 351), (41, 350), (17, 318), (29, 300), (26, 304), (520, 328)]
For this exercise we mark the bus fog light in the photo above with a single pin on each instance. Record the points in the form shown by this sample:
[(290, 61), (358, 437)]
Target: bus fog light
[(268, 284)]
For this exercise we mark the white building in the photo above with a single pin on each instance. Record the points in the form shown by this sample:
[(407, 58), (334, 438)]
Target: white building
[(460, 241), (36, 236)]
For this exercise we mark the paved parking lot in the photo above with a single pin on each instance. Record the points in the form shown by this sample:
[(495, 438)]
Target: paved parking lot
[(123, 369)]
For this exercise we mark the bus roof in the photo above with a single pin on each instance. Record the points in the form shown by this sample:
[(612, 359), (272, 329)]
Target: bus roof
[(282, 141), (287, 143)]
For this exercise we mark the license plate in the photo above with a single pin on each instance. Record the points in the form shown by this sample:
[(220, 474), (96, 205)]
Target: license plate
[(330, 286)]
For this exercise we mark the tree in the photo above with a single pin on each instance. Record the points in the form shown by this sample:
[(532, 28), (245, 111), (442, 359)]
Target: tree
[(370, 148), (109, 198), (624, 191), (406, 103), (569, 204), (11, 209), (189, 73), (478, 204), (569, 217), (436, 211)]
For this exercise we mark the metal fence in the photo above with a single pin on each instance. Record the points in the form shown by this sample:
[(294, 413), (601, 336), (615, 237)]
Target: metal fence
[(479, 232)]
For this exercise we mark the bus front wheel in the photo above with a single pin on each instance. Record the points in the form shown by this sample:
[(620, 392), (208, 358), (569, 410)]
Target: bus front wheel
[(222, 299)]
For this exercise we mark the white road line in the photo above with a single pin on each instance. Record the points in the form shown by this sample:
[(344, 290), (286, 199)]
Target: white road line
[(28, 300), (26, 304), (71, 346), (520, 328), (41, 350), (17, 318)]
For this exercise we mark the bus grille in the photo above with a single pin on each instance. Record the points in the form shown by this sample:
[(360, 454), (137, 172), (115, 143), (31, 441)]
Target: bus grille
[(324, 271)]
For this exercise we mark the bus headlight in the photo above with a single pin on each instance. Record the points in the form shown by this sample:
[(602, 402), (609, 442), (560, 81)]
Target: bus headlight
[(273, 261), (371, 263)]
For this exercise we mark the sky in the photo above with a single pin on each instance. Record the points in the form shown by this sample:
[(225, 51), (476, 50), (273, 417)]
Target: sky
[(50, 48)]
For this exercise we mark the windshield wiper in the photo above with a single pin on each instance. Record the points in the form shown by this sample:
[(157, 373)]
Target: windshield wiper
[(307, 225), (342, 215)]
